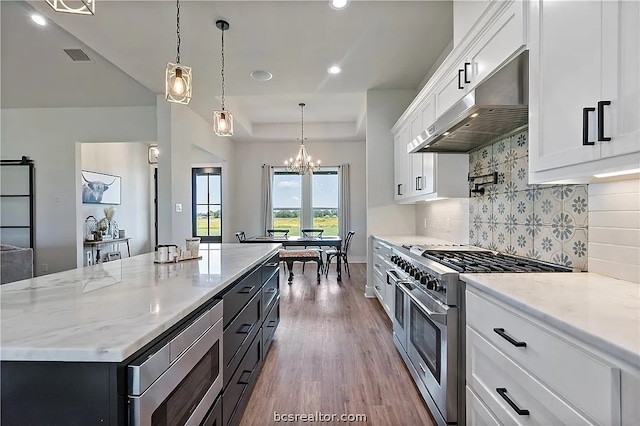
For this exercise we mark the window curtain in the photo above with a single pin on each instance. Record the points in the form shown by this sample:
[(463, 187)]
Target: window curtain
[(267, 202), (344, 200)]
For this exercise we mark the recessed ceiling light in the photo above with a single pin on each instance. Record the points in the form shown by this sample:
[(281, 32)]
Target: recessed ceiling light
[(334, 69), (38, 19), (261, 75), (338, 4)]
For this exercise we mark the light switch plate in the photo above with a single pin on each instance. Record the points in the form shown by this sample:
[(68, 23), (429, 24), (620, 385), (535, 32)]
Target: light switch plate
[(178, 208)]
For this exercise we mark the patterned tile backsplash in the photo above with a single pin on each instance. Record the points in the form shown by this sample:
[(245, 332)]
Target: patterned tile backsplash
[(546, 222)]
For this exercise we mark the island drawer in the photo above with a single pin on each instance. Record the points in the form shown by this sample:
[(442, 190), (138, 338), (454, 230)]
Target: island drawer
[(214, 417), (240, 294), (269, 326), (238, 391), (270, 291), (239, 334), (587, 382), (269, 267)]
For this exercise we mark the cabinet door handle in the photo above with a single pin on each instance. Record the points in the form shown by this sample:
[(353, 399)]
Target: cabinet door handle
[(585, 125), (246, 289), (378, 288), (466, 79), (460, 86), (510, 339), (503, 393), (242, 380), (399, 189), (419, 183), (245, 329), (601, 136)]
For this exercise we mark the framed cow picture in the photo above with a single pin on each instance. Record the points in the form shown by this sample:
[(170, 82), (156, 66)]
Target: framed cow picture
[(100, 188)]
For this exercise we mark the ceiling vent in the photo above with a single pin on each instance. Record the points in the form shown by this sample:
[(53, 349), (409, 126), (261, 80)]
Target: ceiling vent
[(77, 55)]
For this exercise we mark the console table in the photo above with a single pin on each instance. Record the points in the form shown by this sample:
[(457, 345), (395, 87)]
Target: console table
[(98, 244)]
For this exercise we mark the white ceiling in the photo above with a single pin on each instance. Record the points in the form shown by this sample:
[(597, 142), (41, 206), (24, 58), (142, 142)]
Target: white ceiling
[(379, 44)]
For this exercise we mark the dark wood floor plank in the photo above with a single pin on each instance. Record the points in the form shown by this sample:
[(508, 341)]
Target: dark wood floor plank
[(333, 353)]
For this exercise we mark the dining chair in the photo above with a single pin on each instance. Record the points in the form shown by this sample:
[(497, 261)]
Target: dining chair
[(241, 236), (343, 253), (311, 233), (277, 232)]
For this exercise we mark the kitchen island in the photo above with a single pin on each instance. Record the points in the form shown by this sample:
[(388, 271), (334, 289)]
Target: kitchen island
[(89, 323)]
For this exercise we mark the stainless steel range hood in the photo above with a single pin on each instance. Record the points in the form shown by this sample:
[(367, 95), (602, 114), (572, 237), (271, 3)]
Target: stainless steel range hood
[(497, 106)]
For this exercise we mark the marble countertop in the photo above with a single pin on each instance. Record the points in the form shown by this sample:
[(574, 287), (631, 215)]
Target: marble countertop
[(399, 240), (601, 311), (106, 312)]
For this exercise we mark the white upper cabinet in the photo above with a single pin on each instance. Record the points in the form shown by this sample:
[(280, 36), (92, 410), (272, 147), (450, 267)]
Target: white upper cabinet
[(496, 33), (401, 164), (584, 112)]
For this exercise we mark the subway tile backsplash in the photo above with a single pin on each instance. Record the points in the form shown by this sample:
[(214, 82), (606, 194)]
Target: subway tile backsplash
[(546, 222)]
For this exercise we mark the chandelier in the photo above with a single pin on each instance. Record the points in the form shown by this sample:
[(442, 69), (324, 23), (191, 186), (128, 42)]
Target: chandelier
[(178, 77), (79, 7), (222, 119), (302, 163)]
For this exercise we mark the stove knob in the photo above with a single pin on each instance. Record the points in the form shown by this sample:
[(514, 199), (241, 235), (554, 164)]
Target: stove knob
[(418, 275), (431, 284), (423, 280), (414, 273)]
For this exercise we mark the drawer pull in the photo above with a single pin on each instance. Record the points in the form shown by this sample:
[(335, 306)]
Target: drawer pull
[(270, 290), (378, 288), (510, 339), (424, 370), (377, 265), (272, 265), (503, 393), (241, 380), (245, 329), (247, 289), (272, 323)]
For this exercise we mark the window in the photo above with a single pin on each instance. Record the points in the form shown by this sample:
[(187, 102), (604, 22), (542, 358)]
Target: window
[(306, 201), (287, 201), (324, 203), (207, 204)]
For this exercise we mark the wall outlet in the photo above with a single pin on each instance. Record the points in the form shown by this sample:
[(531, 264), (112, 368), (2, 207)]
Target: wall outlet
[(45, 267), (178, 208), (425, 223)]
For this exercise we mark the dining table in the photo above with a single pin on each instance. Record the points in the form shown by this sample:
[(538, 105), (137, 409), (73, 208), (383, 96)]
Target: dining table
[(296, 241)]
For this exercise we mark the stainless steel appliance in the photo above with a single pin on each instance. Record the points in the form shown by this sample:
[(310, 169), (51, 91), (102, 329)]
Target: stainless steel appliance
[(177, 381), (495, 107), (429, 320)]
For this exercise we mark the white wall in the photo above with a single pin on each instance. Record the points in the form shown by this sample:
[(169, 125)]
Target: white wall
[(249, 182), (384, 216), (51, 137), (445, 219), (178, 129), (134, 214), (614, 229)]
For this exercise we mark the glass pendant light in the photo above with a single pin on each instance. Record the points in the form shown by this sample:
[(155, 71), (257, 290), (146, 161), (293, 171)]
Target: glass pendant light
[(178, 76), (302, 163), (79, 7), (222, 119)]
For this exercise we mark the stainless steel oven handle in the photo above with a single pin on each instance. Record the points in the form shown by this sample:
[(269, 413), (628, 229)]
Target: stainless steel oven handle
[(144, 405), (439, 317)]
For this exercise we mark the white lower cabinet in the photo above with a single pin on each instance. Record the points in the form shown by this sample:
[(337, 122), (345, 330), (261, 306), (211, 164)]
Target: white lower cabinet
[(525, 372), (381, 288), (477, 412)]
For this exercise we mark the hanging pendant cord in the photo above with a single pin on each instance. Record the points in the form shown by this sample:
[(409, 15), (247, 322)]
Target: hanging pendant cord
[(302, 139), (222, 72), (178, 31)]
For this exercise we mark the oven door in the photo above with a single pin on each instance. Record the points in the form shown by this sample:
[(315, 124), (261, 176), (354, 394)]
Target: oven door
[(186, 391), (400, 311), (432, 346)]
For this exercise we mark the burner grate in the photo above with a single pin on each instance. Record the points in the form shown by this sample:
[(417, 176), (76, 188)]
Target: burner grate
[(483, 262)]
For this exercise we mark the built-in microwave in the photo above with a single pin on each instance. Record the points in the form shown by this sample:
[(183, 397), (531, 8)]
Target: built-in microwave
[(177, 382)]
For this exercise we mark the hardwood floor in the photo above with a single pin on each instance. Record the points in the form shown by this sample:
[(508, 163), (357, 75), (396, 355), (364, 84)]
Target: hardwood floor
[(333, 353)]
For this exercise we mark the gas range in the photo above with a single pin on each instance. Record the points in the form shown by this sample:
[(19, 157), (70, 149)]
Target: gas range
[(429, 315)]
